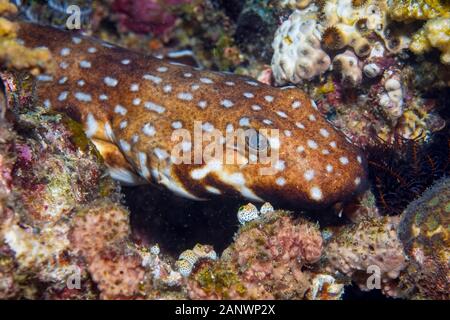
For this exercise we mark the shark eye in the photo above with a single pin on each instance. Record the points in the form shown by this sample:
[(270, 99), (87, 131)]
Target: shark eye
[(257, 142)]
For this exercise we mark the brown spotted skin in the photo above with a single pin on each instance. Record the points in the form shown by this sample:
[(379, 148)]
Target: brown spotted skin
[(130, 105)]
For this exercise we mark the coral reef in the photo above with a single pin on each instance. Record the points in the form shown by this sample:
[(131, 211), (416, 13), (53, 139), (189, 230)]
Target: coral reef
[(115, 269), (267, 260), (64, 233), (44, 188), (349, 68), (368, 89), (209, 34), (378, 70), (423, 231), (435, 33), (331, 26), (392, 99)]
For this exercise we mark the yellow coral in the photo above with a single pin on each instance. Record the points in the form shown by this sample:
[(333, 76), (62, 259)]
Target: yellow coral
[(7, 8), (351, 23), (7, 28), (434, 34), (326, 88), (13, 54), (412, 125), (404, 10)]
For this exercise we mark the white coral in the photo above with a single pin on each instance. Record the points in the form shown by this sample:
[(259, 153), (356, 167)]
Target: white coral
[(392, 100), (297, 51)]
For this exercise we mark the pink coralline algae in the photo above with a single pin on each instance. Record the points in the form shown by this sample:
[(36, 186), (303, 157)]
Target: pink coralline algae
[(145, 16), (99, 233), (266, 261)]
